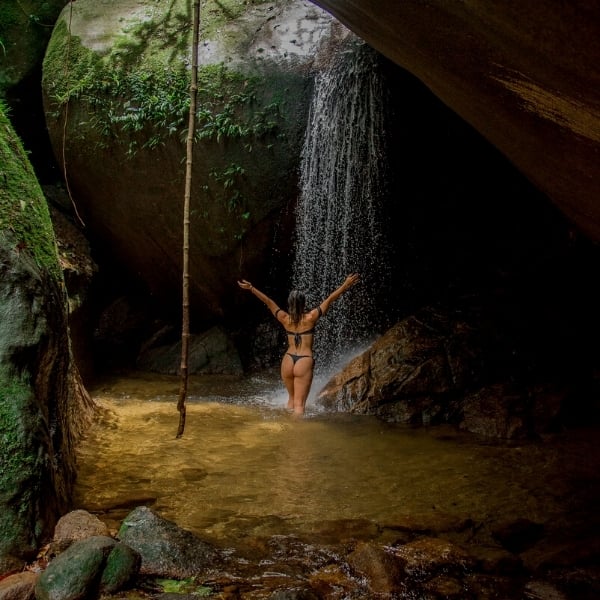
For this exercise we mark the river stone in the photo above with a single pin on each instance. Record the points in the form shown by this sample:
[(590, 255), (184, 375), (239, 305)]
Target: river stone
[(427, 557), (75, 574), (20, 586), (122, 565), (433, 522), (74, 526), (445, 587), (166, 549), (295, 594), (383, 570)]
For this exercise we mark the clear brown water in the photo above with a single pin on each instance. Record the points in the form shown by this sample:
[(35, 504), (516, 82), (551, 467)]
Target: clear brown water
[(245, 467)]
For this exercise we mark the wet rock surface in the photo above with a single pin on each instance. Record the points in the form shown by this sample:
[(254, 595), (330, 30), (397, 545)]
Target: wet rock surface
[(454, 564)]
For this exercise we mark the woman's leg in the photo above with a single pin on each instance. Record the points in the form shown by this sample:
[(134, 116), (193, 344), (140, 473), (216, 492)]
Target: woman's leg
[(287, 376), (303, 376)]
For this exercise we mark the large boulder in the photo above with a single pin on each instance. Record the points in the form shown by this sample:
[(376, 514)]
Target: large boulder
[(525, 74), (495, 375), (43, 404), (25, 28), (166, 550), (116, 79)]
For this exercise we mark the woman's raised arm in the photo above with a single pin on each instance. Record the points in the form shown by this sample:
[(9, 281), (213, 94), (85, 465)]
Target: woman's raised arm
[(246, 285)]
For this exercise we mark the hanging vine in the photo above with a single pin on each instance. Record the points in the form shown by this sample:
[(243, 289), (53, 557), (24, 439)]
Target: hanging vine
[(64, 130)]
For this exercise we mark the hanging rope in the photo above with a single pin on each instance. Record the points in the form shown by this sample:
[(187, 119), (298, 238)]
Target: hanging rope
[(64, 131)]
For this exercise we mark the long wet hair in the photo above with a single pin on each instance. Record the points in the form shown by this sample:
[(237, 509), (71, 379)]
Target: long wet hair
[(296, 306)]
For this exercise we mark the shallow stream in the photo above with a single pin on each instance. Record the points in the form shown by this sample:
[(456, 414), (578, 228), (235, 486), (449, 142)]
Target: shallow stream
[(245, 467)]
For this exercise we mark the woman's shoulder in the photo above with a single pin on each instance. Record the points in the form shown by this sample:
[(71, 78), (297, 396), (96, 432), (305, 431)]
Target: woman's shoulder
[(316, 313)]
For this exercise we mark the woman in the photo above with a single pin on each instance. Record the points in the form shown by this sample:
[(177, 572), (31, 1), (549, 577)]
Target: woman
[(297, 363)]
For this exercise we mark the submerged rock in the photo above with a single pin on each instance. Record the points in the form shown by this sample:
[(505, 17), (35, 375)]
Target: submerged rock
[(166, 549)]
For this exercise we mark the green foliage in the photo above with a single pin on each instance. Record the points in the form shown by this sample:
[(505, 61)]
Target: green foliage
[(184, 586), (229, 178), (142, 102), (150, 101)]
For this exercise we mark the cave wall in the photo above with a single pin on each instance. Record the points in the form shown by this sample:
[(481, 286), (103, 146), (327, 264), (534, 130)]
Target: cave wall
[(525, 75)]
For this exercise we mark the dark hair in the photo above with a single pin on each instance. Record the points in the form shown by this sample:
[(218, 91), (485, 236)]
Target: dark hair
[(296, 306)]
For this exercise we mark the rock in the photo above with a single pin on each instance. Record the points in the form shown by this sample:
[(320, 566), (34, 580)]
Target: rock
[(497, 412), (165, 549), (518, 535), (496, 561), (339, 531), (414, 370), (44, 407), (543, 590), (485, 61), (122, 565), (74, 526), (431, 523), (383, 570), (428, 557), (23, 39), (295, 594), (20, 586), (561, 552), (446, 587), (75, 574), (331, 580), (209, 353), (258, 61)]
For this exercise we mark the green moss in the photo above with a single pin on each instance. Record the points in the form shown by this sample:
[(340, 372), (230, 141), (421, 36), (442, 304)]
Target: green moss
[(15, 394), (23, 209), (19, 466)]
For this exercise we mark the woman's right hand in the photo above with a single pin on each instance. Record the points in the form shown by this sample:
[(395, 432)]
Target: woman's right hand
[(351, 280)]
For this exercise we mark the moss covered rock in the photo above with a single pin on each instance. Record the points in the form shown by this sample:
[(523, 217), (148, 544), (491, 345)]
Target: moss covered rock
[(42, 402), (25, 28), (120, 77)]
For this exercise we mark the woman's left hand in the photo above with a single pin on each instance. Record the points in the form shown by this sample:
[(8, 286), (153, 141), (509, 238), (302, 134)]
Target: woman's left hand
[(245, 285)]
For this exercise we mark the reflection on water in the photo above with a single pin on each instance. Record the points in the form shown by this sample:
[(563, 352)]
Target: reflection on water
[(245, 466)]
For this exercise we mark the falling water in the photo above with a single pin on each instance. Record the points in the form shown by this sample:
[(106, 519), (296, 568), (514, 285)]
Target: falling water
[(339, 214)]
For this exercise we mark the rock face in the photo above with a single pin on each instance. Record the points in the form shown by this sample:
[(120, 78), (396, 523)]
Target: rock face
[(25, 27), (460, 366), (43, 405), (525, 75), (125, 80)]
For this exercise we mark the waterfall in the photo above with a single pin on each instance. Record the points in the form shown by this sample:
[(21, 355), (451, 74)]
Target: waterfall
[(339, 220)]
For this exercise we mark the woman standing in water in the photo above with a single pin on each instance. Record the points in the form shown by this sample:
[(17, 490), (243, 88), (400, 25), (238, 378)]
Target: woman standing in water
[(298, 363)]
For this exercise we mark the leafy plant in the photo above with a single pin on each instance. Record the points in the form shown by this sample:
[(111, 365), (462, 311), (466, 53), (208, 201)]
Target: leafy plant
[(184, 586)]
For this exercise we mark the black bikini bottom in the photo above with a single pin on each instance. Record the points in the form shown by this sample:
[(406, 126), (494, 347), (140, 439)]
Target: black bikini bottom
[(297, 357)]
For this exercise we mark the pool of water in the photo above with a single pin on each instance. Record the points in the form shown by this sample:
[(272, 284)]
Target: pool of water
[(245, 466)]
